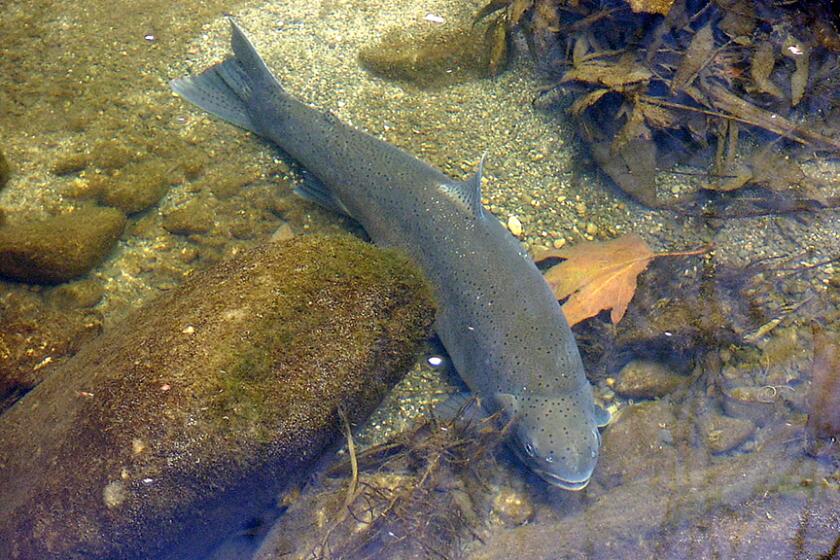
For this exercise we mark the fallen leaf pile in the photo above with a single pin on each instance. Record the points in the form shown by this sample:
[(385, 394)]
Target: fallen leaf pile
[(599, 275), (655, 83)]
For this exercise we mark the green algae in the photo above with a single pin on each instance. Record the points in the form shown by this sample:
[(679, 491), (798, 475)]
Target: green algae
[(59, 248), (246, 393)]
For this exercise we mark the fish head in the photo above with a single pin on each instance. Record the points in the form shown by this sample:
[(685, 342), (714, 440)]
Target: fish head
[(557, 437)]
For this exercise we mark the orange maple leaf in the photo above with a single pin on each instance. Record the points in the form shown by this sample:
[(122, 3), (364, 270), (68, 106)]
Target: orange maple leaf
[(598, 275)]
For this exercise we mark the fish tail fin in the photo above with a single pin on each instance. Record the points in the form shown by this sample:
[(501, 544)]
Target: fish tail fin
[(226, 89)]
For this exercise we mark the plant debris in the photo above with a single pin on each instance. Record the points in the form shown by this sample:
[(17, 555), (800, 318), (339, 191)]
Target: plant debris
[(599, 275), (415, 496), (660, 83)]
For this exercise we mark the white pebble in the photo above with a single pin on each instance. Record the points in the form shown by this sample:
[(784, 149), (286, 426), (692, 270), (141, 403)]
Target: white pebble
[(515, 226)]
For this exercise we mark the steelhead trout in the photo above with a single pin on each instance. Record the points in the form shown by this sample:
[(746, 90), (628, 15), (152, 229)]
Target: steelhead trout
[(497, 319)]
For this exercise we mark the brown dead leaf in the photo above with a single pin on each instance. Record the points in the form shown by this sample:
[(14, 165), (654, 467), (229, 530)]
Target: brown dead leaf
[(762, 65), (658, 117), (490, 8), (633, 129), (517, 10), (583, 103), (581, 47), (651, 6), (746, 112), (633, 170), (614, 75), (739, 20), (697, 55), (599, 275), (801, 55), (496, 37)]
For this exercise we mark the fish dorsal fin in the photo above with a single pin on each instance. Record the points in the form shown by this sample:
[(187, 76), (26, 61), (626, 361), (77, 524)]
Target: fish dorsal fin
[(467, 194)]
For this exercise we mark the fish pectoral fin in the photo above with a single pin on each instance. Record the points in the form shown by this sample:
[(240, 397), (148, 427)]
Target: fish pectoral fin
[(314, 190), (507, 403), (462, 406), (467, 194), (602, 416)]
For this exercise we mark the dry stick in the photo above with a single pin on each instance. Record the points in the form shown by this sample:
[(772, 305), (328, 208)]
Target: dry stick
[(352, 488), (702, 250), (774, 123), (673, 105)]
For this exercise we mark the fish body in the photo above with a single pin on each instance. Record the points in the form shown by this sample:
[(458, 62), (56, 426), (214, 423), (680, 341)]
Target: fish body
[(497, 317)]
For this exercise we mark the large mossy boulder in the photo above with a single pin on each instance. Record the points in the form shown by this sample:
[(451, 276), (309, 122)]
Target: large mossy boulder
[(165, 434)]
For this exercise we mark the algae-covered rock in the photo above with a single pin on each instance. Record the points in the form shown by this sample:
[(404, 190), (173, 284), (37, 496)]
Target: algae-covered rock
[(82, 293), (642, 379), (196, 216), (137, 187), (5, 170), (170, 431), (34, 338), (59, 248), (436, 58)]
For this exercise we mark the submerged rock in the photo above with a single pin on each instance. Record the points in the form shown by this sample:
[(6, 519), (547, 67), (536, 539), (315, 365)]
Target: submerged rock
[(647, 380), (137, 187), (764, 506), (59, 248), (824, 393), (722, 433), (170, 431), (34, 338), (438, 58), (5, 170), (646, 439), (196, 216), (82, 293)]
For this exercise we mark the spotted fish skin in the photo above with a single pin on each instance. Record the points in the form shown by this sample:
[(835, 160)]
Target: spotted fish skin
[(497, 318)]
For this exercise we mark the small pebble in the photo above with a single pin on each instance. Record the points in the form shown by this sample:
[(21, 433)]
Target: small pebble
[(513, 507), (723, 433), (647, 380), (515, 226)]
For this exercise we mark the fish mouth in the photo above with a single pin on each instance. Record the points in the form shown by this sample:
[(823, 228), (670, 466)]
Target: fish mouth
[(553, 479), (559, 482)]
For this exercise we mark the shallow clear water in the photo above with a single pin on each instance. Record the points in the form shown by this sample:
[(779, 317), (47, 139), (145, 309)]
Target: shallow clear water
[(722, 377)]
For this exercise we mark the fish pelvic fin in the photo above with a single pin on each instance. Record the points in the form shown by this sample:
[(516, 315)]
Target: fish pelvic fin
[(225, 90)]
